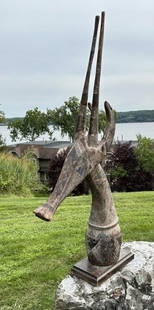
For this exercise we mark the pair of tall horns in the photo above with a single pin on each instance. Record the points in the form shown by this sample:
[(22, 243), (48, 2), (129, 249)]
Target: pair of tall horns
[(93, 129)]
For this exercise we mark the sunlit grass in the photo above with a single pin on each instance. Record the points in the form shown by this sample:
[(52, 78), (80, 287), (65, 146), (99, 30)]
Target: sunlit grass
[(35, 255)]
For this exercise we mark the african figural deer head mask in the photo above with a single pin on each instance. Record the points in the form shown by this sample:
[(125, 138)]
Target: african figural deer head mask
[(103, 237)]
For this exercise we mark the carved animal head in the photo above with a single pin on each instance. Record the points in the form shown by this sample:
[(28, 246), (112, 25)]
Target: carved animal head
[(86, 152)]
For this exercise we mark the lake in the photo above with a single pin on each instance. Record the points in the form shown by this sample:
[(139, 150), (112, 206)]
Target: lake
[(124, 131)]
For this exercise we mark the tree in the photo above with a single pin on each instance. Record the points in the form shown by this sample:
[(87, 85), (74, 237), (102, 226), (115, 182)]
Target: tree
[(101, 121), (65, 117), (125, 172), (2, 117), (145, 153), (31, 126), (2, 141)]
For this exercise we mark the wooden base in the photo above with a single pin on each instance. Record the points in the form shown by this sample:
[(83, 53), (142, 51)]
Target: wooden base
[(95, 275)]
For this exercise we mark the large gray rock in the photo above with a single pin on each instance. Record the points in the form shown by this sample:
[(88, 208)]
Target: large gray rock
[(131, 288)]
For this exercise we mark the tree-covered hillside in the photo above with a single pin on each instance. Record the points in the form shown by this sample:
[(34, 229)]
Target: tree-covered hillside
[(122, 117), (135, 116)]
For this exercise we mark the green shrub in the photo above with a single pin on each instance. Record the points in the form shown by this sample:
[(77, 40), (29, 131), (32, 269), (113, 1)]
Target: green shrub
[(18, 176), (145, 153), (125, 172)]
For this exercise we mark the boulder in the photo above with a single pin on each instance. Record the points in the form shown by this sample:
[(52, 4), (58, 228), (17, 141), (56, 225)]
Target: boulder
[(132, 287)]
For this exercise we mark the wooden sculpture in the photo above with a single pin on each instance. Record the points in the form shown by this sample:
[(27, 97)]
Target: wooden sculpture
[(85, 160)]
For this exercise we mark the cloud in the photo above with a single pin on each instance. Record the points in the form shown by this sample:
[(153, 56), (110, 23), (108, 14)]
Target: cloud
[(45, 47)]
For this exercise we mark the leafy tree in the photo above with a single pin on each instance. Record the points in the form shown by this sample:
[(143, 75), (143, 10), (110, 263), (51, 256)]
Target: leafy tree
[(31, 126), (125, 172), (65, 117), (145, 153), (101, 121), (2, 120), (2, 117)]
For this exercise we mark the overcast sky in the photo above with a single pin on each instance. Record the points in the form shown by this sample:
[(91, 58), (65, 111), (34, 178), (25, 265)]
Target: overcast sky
[(45, 47)]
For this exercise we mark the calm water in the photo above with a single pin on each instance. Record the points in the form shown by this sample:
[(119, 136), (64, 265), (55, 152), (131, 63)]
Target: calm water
[(124, 131), (129, 131)]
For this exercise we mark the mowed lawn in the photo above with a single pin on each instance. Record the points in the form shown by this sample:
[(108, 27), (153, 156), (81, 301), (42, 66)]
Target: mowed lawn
[(35, 255)]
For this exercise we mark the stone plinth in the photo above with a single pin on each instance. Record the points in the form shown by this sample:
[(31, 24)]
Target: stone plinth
[(130, 288)]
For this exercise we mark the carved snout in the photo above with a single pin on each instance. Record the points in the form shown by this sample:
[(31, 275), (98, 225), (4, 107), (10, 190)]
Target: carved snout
[(80, 161), (44, 212)]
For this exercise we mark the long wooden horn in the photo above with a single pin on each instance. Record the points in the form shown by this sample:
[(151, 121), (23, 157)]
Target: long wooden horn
[(93, 129), (110, 127), (84, 98)]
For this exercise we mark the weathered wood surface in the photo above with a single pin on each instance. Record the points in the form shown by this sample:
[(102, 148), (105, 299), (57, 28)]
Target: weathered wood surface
[(103, 237)]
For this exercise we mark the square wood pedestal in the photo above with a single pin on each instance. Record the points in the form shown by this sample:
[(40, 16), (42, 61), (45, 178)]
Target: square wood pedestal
[(95, 275)]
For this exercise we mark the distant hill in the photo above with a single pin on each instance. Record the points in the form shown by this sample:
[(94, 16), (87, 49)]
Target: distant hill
[(10, 119), (135, 116), (121, 117)]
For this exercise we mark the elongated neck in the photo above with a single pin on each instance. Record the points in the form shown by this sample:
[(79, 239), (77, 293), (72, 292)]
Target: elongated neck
[(103, 212)]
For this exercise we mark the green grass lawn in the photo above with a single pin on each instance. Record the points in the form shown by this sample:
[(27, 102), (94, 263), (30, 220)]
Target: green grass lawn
[(35, 255)]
